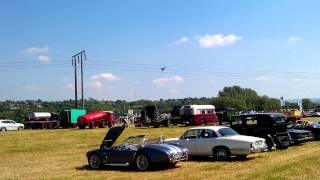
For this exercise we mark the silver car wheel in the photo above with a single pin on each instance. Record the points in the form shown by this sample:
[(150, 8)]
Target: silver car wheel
[(94, 161), (3, 129), (221, 154), (142, 162)]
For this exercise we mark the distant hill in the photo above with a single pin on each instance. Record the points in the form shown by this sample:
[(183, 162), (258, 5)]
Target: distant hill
[(314, 100)]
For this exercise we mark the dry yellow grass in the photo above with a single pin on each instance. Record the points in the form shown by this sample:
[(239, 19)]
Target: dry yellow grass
[(60, 154), (311, 119)]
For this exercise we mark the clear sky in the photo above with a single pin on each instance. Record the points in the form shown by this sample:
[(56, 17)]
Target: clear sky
[(271, 46)]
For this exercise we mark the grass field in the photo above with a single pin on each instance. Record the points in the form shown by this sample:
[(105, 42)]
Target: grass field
[(60, 154)]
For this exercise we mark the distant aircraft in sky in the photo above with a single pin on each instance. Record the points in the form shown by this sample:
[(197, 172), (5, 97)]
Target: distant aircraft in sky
[(163, 68)]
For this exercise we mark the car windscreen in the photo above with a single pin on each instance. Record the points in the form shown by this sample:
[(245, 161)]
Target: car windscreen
[(227, 132), (134, 140)]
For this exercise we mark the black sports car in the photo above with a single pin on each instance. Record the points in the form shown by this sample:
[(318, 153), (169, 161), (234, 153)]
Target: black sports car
[(134, 151), (313, 126), (298, 134)]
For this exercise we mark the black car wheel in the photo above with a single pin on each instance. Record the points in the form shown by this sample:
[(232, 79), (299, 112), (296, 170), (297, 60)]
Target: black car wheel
[(20, 128), (3, 129), (168, 123), (92, 125), (94, 162), (51, 126), (142, 162), (281, 147), (103, 124), (44, 126), (269, 143), (221, 153)]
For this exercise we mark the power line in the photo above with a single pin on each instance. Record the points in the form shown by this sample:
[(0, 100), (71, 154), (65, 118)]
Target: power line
[(155, 68)]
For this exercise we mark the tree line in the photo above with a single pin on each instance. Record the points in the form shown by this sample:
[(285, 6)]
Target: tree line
[(241, 99)]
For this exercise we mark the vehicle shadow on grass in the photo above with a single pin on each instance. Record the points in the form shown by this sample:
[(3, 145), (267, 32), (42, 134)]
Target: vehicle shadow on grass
[(211, 159), (125, 169)]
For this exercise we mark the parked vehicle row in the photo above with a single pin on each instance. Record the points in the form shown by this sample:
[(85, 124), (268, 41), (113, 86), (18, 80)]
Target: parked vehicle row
[(186, 115), (256, 133), (311, 113), (271, 126), (69, 118), (218, 141)]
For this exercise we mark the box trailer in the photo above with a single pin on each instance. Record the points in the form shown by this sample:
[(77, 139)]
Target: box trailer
[(68, 118)]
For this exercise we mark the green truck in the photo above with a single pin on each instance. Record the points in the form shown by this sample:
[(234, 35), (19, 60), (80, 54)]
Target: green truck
[(68, 118)]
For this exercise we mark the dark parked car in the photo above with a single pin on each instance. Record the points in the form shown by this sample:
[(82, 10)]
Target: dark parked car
[(299, 135), (313, 126), (271, 126), (134, 151)]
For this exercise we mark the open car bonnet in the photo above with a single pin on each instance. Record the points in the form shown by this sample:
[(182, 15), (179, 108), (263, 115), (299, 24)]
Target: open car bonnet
[(111, 136)]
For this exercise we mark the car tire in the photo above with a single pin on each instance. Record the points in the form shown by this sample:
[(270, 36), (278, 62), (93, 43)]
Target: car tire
[(94, 161), (82, 126), (44, 126), (221, 153), (103, 124), (3, 129), (203, 122), (51, 126), (269, 143), (142, 162), (20, 128), (168, 123), (92, 125), (280, 147)]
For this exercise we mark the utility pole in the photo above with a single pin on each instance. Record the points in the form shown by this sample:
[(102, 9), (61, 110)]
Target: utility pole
[(74, 63), (78, 58)]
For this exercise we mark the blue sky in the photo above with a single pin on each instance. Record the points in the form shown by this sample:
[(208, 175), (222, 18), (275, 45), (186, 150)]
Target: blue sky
[(270, 46)]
